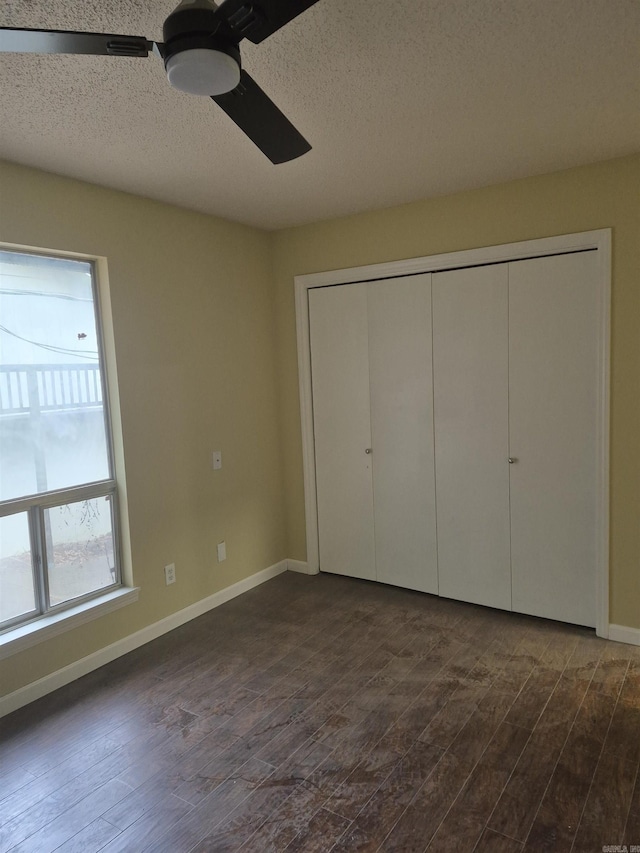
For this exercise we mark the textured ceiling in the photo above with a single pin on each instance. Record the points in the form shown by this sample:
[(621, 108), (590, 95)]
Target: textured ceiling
[(401, 100)]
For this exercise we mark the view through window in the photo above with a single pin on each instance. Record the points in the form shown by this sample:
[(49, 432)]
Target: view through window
[(58, 525)]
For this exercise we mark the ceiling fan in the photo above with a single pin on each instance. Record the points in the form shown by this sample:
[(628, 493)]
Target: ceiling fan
[(201, 56)]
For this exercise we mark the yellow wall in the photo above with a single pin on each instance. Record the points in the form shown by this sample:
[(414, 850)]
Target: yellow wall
[(598, 196), (206, 349), (193, 311)]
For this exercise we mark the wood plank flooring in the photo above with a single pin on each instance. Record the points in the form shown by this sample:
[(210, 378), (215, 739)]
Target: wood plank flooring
[(330, 714)]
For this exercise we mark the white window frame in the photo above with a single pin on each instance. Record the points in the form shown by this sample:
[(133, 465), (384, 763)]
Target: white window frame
[(46, 621)]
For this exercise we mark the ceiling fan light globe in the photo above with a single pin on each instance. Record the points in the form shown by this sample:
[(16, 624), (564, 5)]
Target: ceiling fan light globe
[(203, 71)]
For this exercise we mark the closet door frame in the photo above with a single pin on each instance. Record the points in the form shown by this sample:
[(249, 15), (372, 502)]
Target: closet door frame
[(599, 240)]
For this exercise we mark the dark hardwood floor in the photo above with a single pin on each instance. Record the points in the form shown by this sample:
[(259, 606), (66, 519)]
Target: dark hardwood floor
[(323, 713)]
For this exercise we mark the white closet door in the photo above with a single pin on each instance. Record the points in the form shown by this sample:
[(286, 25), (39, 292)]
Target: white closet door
[(470, 346), (342, 428), (400, 372), (553, 309)]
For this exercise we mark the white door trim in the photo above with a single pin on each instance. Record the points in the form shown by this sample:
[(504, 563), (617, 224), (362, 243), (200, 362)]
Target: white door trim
[(600, 240)]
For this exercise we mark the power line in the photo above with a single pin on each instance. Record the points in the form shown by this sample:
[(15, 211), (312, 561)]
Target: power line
[(68, 296), (77, 353)]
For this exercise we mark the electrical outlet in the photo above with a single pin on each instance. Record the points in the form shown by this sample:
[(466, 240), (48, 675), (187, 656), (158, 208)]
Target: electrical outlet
[(170, 574), (217, 460), (222, 551)]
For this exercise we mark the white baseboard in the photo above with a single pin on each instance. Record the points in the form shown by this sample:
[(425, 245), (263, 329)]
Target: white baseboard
[(299, 566), (622, 634), (81, 667)]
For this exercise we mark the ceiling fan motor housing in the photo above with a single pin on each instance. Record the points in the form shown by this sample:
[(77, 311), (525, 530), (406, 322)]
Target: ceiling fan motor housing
[(199, 57)]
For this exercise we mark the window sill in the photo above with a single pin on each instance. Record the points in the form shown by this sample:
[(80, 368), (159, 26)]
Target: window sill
[(43, 629)]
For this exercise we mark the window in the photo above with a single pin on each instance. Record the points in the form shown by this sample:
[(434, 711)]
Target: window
[(58, 512)]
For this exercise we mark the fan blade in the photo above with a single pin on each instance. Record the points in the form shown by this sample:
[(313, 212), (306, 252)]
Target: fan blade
[(268, 128), (258, 19), (13, 40)]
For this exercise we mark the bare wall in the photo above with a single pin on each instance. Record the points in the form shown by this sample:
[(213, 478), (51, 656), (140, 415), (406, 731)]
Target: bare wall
[(193, 310), (206, 350)]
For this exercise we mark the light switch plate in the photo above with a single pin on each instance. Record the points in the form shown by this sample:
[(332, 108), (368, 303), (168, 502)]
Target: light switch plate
[(222, 551), (217, 460)]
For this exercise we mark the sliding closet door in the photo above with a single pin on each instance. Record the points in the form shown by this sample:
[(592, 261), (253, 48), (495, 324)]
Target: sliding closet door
[(470, 346), (400, 372), (342, 427), (553, 358)]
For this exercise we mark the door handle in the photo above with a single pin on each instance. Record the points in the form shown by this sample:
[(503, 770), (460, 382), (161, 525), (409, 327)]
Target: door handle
[(512, 459), (368, 450)]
